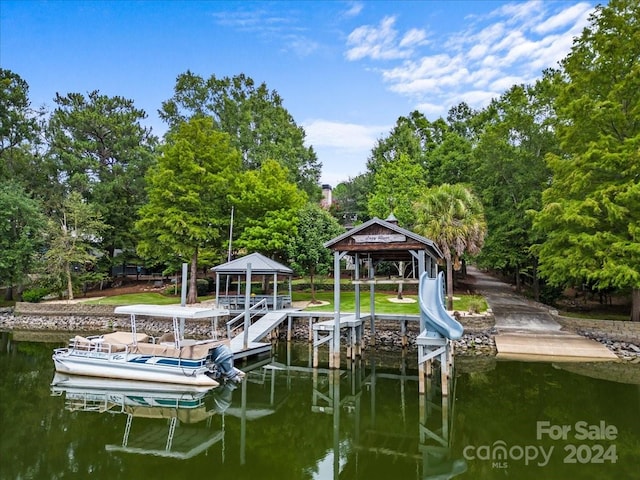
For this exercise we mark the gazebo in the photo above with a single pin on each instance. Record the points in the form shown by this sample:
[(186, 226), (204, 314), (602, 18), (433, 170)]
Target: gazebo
[(373, 241), (245, 267)]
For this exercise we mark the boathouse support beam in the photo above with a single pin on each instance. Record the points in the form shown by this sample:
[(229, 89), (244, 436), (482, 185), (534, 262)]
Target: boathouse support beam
[(334, 357)]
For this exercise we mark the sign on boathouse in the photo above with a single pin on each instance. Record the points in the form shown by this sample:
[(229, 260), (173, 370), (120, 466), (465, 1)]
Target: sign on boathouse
[(379, 238)]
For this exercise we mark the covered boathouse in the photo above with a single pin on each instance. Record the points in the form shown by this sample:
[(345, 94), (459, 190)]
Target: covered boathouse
[(373, 241)]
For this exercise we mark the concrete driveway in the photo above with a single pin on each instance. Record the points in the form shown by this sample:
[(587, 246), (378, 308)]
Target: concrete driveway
[(528, 330)]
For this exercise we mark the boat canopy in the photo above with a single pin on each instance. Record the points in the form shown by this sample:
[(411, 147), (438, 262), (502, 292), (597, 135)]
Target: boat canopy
[(171, 311)]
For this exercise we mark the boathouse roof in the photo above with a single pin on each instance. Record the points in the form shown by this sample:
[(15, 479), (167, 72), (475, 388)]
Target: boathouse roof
[(260, 265), (381, 239)]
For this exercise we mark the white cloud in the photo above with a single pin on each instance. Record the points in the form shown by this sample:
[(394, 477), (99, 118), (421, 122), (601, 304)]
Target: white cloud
[(354, 9), (301, 46), (342, 148), (258, 20), (572, 15), (482, 76), (381, 42), (414, 36), (522, 13), (434, 66), (431, 110), (511, 40), (474, 98), (505, 83), (477, 52), (348, 136), (511, 45)]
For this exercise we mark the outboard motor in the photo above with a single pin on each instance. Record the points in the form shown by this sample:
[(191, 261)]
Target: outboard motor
[(222, 357), (219, 399)]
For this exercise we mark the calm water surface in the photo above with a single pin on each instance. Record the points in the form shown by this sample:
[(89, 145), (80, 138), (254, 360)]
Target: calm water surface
[(288, 421)]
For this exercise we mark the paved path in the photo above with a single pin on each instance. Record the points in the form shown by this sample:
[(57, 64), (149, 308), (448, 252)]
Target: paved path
[(527, 330)]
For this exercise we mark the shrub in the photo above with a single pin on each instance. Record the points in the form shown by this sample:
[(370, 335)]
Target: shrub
[(202, 286), (34, 295), (476, 305)]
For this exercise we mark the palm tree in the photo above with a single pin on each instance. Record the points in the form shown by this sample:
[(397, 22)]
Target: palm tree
[(453, 218)]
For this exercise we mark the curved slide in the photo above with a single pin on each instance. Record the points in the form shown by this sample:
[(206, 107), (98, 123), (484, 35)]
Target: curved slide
[(432, 311)]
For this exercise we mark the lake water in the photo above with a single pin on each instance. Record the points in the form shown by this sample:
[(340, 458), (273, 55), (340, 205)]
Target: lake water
[(288, 421)]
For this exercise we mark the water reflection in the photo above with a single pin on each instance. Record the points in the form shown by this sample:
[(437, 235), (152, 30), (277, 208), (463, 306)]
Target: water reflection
[(177, 410), (182, 422), (362, 433), (288, 421)]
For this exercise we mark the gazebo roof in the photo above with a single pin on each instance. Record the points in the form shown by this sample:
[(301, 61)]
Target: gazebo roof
[(383, 240), (260, 265)]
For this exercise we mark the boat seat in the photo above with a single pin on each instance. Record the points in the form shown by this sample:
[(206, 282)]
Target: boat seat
[(120, 341), (155, 349), (168, 337), (124, 338), (191, 352), (82, 343)]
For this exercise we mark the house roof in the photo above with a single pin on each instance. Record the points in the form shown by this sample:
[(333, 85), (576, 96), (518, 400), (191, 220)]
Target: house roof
[(384, 240), (260, 265)]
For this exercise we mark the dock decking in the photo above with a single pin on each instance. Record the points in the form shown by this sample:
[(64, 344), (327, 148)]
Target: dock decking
[(257, 331)]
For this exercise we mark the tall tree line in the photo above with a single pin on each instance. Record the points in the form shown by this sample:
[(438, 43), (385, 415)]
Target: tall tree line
[(107, 191), (554, 164)]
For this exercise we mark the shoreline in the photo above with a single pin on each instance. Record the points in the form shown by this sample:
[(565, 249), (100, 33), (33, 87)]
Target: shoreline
[(478, 339)]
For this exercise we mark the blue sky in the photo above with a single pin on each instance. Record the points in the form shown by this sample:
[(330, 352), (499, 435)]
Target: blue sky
[(345, 70)]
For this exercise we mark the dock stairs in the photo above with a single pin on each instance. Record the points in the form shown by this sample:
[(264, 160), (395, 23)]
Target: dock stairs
[(257, 331)]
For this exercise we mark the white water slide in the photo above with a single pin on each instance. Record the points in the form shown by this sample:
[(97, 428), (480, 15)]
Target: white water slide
[(432, 311)]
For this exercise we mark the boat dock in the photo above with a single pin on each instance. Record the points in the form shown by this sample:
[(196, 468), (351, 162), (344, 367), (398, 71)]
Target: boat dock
[(323, 332), (320, 332), (320, 328), (257, 331)]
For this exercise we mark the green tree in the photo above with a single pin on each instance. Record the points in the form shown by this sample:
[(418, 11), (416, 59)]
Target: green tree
[(267, 210), (306, 250), (18, 121), (590, 216), (442, 150), (188, 190), (72, 245), (255, 118), (20, 139), (510, 174), (349, 205), (396, 186), (102, 151), (411, 137), (450, 161), (452, 217), (21, 234)]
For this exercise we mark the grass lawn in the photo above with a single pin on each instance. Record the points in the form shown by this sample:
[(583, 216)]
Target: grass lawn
[(145, 298), (347, 301), (383, 304)]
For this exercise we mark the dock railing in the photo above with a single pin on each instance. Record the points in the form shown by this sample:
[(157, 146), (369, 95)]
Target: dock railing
[(237, 302), (236, 325)]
